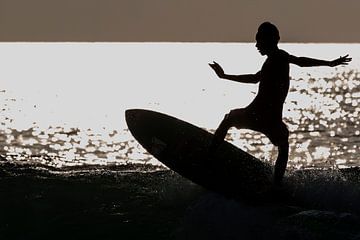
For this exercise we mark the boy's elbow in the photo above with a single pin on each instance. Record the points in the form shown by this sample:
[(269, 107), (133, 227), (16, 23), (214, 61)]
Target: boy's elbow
[(301, 62), (256, 79)]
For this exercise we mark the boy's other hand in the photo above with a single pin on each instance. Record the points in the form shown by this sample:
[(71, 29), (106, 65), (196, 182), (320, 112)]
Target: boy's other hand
[(340, 61), (217, 68)]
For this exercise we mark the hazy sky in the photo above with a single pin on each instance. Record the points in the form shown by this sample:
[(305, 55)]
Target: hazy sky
[(177, 20)]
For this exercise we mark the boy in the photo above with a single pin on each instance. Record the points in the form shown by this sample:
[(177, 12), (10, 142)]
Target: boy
[(264, 114)]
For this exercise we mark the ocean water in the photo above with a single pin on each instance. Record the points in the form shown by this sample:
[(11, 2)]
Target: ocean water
[(63, 103), (71, 169)]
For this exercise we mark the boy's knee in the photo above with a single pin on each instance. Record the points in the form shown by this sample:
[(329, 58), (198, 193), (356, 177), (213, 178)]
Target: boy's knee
[(229, 117), (226, 120), (237, 112)]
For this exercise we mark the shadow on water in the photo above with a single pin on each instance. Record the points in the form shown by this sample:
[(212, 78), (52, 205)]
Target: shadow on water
[(96, 204), (115, 203), (322, 205), (215, 217)]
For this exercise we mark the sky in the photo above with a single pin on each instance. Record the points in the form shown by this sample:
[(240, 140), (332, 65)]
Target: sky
[(328, 21)]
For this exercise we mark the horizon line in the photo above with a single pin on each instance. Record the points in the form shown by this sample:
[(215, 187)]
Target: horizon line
[(167, 42)]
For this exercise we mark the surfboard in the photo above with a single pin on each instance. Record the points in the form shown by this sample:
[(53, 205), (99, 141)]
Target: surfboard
[(184, 148)]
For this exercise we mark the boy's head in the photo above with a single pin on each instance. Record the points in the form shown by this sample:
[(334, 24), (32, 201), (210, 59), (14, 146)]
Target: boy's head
[(267, 37)]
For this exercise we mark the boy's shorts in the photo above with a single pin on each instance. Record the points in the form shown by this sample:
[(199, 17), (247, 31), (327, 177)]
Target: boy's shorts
[(270, 125)]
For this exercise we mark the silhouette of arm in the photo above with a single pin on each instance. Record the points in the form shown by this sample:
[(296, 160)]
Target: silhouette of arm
[(311, 62), (245, 78)]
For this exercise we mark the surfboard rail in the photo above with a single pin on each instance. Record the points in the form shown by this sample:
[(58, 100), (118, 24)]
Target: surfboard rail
[(183, 148)]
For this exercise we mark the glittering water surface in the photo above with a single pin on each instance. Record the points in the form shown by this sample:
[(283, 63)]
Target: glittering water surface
[(323, 117), (76, 121)]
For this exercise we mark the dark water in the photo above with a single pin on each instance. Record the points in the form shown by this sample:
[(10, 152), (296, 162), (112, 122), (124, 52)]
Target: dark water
[(127, 203), (96, 204)]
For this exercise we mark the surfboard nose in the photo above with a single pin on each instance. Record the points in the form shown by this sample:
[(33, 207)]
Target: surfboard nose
[(132, 117), (140, 123), (136, 118)]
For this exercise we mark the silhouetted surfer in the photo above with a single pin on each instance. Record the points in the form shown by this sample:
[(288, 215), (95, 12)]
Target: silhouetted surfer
[(264, 114)]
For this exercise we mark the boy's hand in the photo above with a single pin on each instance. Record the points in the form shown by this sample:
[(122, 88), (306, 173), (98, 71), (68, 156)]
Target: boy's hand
[(218, 69), (340, 61)]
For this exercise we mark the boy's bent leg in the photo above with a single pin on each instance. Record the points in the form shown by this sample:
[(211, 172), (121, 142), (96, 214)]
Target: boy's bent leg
[(234, 117), (220, 133)]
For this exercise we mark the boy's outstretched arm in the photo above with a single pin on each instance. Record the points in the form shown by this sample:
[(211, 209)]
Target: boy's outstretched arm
[(311, 62), (246, 78)]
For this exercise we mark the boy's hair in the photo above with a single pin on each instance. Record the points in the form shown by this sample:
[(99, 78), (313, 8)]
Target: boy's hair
[(268, 32)]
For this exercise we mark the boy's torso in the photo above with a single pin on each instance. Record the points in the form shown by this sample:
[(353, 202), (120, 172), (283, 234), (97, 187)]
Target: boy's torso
[(274, 84)]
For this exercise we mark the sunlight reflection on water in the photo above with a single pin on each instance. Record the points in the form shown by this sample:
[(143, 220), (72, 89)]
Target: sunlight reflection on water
[(321, 111), (324, 127)]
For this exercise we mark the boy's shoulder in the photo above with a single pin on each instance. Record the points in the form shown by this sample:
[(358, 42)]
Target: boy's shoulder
[(283, 53)]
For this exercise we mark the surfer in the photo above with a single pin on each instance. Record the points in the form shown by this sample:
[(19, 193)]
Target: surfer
[(264, 114)]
